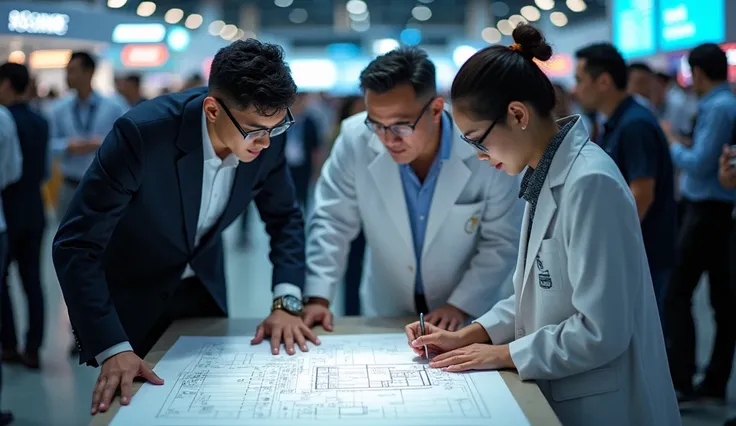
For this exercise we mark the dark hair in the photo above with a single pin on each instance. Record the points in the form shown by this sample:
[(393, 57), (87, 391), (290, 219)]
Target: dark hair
[(18, 76), (711, 59), (133, 78), (640, 66), (498, 75), (87, 61), (405, 65), (251, 73), (604, 58), (663, 77)]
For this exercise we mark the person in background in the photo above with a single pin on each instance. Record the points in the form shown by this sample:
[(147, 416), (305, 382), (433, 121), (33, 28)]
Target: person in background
[(703, 240), (129, 87), (640, 83), (195, 80), (11, 170), (25, 217), (302, 148), (633, 138), (78, 124), (401, 173), (582, 321), (562, 101), (672, 106)]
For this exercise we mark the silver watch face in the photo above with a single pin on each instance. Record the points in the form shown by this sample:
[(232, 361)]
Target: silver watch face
[(292, 304)]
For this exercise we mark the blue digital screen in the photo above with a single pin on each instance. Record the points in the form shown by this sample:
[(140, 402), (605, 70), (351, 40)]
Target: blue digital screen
[(685, 24), (633, 27)]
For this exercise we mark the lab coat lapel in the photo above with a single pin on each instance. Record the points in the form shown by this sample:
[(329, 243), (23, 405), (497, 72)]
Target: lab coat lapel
[(385, 173), (546, 208), (190, 166)]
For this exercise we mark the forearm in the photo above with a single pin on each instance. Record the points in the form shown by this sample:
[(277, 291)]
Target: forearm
[(473, 333)]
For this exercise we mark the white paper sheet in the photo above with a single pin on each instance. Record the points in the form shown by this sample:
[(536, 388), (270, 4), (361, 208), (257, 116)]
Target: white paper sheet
[(360, 380)]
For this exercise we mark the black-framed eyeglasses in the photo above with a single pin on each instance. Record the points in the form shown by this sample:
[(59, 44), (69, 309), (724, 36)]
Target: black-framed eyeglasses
[(253, 135), (478, 143), (400, 130)]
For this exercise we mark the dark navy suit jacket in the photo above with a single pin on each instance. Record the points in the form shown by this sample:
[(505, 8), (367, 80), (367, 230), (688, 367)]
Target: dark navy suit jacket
[(129, 232)]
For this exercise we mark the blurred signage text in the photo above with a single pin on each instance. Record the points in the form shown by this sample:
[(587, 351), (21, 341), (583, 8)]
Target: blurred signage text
[(144, 55), (28, 22)]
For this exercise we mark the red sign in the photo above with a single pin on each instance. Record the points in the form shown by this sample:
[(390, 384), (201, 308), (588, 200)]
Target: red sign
[(144, 55), (559, 65)]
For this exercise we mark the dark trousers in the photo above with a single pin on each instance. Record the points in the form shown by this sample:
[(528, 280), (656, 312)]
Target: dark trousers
[(190, 300), (661, 278), (703, 246), (3, 256), (353, 275), (25, 250)]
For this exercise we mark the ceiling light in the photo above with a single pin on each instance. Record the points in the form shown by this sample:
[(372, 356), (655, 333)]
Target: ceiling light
[(491, 35), (146, 8), (193, 21), (426, 1), (229, 32), (173, 16), (115, 4), (545, 4), (360, 17), (421, 13), (215, 27), (356, 7), (531, 13), (462, 54), (384, 45), (558, 19), (239, 35), (283, 3), (360, 26), (17, 57), (516, 20), (298, 16), (505, 27), (576, 5), (499, 8)]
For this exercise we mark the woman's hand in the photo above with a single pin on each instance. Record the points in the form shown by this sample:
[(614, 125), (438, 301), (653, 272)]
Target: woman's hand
[(477, 356), (440, 341)]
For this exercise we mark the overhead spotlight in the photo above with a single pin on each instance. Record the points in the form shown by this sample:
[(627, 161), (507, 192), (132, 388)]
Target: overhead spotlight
[(545, 4), (283, 3), (531, 13), (384, 45), (421, 13), (215, 27), (576, 5), (516, 20), (360, 26), (411, 36), (426, 1), (462, 54), (193, 21), (491, 35), (360, 17), (173, 16), (505, 27), (116, 4), (229, 32), (17, 57), (558, 19), (146, 8), (298, 16), (356, 7)]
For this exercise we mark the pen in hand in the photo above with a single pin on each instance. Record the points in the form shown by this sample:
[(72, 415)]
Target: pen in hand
[(421, 329)]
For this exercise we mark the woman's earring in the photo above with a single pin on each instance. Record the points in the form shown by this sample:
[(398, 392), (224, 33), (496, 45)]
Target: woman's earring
[(523, 127)]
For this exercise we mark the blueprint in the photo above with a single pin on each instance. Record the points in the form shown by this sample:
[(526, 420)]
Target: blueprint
[(366, 380)]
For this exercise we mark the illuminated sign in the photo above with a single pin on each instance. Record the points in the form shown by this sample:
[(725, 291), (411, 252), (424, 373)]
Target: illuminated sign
[(178, 39), (49, 59), (138, 33), (688, 23), (144, 55), (633, 27), (28, 22), (559, 65)]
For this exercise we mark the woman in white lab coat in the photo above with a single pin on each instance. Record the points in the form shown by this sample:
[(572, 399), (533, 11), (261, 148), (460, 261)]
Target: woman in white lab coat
[(583, 320)]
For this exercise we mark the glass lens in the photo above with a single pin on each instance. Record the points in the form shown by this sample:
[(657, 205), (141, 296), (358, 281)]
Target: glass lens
[(402, 130), (256, 134), (279, 129)]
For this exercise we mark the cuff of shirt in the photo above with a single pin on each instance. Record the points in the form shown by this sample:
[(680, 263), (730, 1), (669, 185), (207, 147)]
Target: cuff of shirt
[(286, 289), (676, 149), (116, 349)]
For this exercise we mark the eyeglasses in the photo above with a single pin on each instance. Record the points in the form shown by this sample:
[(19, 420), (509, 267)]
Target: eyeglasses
[(259, 133), (478, 143), (400, 130)]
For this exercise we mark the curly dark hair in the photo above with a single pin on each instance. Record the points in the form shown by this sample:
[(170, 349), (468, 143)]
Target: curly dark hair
[(252, 73)]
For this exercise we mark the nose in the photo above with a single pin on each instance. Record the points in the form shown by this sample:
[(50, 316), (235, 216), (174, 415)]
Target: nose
[(263, 142)]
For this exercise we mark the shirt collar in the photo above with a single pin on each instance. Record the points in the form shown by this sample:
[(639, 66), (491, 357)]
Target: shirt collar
[(208, 151), (446, 137), (618, 113), (531, 184), (92, 99)]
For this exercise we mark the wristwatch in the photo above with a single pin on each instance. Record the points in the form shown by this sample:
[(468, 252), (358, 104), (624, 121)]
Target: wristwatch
[(290, 304)]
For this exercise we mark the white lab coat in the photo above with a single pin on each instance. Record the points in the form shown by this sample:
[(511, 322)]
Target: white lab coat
[(583, 319), (471, 239)]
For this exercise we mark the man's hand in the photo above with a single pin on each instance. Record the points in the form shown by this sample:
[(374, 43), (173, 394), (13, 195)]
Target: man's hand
[(726, 171), (282, 325), (118, 371), (446, 317), (82, 146), (317, 311)]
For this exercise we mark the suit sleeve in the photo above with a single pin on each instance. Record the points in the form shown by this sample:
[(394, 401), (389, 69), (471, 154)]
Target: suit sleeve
[(605, 260), (334, 223), (80, 242), (282, 215), (488, 279)]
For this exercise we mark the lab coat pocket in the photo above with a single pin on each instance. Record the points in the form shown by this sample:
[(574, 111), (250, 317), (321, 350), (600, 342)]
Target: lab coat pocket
[(467, 217), (588, 383), (547, 266)]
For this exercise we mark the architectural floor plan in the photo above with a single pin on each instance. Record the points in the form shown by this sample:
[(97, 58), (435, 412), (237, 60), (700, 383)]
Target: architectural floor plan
[(363, 380)]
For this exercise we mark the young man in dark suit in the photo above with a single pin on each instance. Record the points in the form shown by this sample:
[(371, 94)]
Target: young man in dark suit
[(141, 243)]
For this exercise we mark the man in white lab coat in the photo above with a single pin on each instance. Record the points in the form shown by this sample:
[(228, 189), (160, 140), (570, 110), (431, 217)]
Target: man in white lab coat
[(442, 230)]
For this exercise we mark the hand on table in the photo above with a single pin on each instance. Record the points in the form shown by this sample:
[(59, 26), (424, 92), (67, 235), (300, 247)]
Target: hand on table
[(478, 356), (118, 371), (317, 311), (282, 326), (446, 317)]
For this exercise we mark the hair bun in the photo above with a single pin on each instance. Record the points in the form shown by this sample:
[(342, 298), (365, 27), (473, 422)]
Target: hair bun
[(532, 42)]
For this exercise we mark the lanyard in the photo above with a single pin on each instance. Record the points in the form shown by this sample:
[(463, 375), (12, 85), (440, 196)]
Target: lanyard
[(85, 128)]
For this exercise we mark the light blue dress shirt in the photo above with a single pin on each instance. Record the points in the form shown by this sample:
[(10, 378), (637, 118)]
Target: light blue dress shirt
[(11, 157), (419, 195), (699, 164), (70, 119)]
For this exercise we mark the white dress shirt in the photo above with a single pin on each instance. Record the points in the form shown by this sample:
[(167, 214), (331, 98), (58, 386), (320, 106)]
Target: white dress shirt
[(217, 182)]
